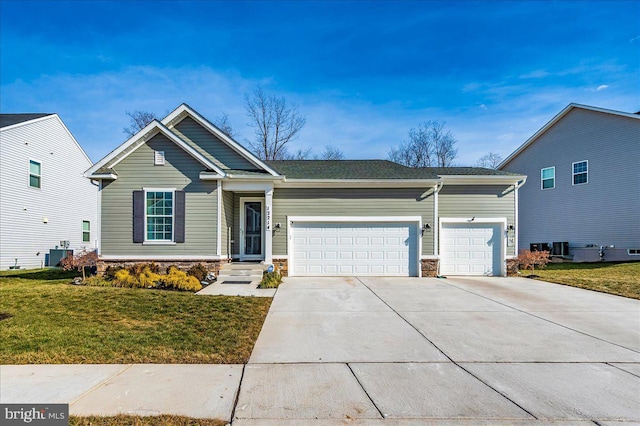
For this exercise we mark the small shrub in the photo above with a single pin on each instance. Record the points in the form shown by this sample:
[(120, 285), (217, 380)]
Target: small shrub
[(111, 271), (147, 278), (270, 280), (179, 280), (531, 259), (199, 271), (123, 278), (82, 260), (140, 268)]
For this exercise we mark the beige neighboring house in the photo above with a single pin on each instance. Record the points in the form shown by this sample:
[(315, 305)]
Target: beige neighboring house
[(180, 191), (583, 191), (45, 201)]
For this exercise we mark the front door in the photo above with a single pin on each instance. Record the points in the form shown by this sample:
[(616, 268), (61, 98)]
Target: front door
[(251, 241)]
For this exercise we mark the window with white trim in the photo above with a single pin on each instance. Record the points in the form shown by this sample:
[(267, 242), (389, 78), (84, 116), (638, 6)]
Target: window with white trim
[(580, 172), (159, 215), (548, 178), (86, 231), (35, 174), (633, 252)]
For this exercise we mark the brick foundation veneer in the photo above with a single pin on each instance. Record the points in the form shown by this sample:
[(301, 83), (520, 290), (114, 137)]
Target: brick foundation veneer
[(281, 265), (429, 267), (512, 267), (211, 265)]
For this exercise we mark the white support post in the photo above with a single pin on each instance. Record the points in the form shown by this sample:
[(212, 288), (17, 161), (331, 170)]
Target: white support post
[(268, 233)]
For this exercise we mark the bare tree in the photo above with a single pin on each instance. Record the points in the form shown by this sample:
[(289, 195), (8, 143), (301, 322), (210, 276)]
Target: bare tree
[(428, 146), (222, 123), (300, 154), (138, 120), (331, 153), (490, 161), (275, 124)]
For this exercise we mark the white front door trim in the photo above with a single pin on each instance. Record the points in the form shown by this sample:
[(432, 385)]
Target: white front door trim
[(473, 220), (243, 201), (354, 219)]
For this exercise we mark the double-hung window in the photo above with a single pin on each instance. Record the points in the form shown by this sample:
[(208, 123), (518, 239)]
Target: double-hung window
[(159, 215), (35, 174), (580, 172), (86, 231), (548, 178)]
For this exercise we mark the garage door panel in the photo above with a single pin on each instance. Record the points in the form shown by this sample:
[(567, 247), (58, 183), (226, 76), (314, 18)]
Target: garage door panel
[(355, 249), (471, 249)]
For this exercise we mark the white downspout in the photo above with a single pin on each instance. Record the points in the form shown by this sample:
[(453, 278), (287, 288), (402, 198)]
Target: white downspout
[(436, 219)]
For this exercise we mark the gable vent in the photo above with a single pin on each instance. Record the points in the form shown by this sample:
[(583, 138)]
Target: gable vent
[(158, 158)]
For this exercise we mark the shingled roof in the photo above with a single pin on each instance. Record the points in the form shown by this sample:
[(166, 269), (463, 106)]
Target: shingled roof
[(369, 169), (11, 119)]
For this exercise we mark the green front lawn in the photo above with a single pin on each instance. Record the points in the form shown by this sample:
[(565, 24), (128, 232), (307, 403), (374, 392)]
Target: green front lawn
[(622, 279), (45, 320)]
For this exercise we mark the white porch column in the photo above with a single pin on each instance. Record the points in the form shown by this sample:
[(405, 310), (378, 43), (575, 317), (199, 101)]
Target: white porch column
[(268, 233)]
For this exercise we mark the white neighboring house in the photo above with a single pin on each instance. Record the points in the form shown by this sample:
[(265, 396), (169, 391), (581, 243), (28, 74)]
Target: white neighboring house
[(44, 198)]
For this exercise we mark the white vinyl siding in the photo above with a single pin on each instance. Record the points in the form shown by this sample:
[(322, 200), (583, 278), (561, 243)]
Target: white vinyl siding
[(548, 178), (65, 197), (580, 172)]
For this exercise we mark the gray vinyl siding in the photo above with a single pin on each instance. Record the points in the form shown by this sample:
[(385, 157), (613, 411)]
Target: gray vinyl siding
[(137, 171), (481, 201), (602, 211), (349, 202), (227, 221), (210, 146)]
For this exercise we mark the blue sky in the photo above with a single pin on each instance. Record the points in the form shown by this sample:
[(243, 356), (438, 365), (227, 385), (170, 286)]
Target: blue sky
[(363, 73)]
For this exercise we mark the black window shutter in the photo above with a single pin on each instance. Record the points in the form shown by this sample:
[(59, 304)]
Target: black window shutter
[(179, 222), (138, 216)]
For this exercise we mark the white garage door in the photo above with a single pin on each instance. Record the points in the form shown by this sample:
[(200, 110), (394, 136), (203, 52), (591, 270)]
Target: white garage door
[(354, 249), (471, 249)]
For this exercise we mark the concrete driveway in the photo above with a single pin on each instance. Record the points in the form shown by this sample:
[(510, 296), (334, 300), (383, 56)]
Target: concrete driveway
[(450, 351)]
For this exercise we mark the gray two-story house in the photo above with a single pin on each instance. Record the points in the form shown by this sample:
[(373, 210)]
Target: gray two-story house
[(583, 189)]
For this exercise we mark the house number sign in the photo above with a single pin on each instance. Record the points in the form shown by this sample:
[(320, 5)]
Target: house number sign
[(268, 217)]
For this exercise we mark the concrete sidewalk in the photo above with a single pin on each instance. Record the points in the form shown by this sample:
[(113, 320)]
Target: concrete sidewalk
[(390, 351), (200, 391)]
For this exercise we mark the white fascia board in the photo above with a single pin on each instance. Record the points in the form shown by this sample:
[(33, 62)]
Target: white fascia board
[(481, 179), (253, 177), (149, 131), (184, 108), (557, 118), (122, 149), (247, 186), (210, 176), (357, 183), (105, 176), (24, 123), (366, 219)]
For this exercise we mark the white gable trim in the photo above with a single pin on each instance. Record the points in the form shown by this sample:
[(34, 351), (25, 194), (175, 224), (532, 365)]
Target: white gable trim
[(186, 109), (133, 143), (557, 118)]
